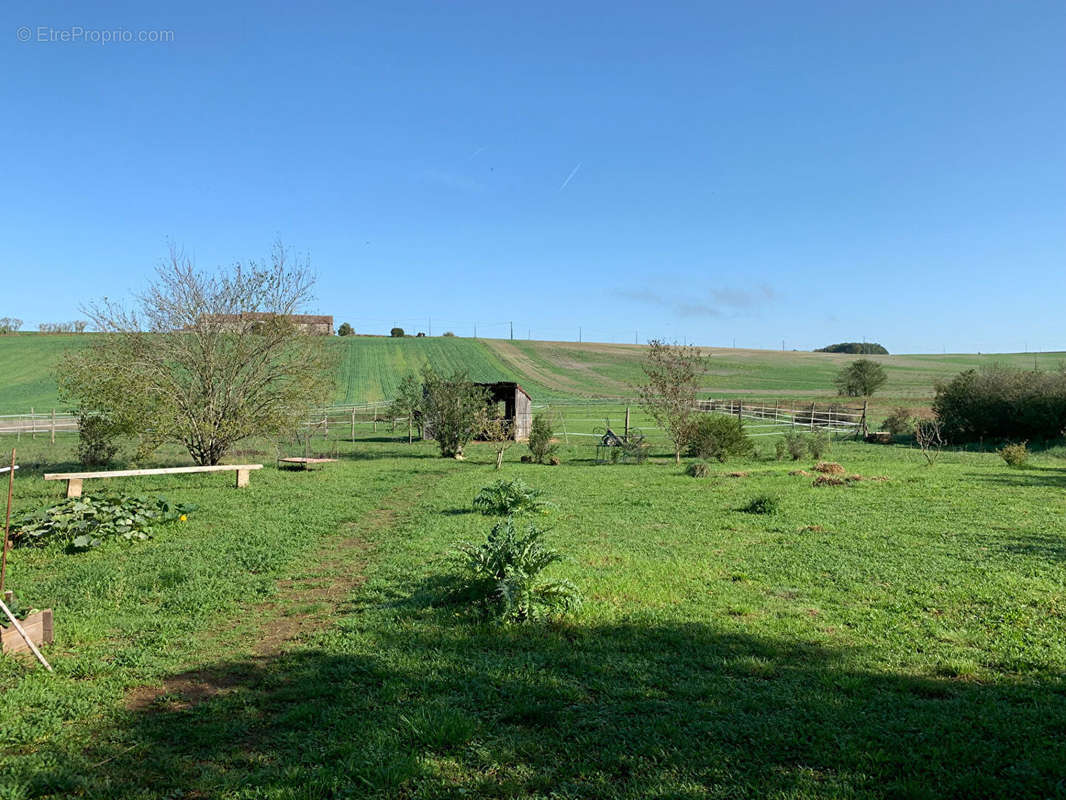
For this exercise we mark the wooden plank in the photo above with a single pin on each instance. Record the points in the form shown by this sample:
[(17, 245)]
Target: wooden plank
[(74, 487), (130, 473), (37, 626)]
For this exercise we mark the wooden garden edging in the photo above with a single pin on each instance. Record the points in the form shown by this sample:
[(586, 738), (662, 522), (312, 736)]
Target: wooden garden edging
[(74, 479)]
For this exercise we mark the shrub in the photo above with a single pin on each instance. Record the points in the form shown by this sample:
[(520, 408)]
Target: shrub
[(698, 469), (448, 333), (345, 329), (502, 576), (1002, 403), (540, 439), (818, 444), (396, 333), (763, 504), (796, 444), (82, 523), (1014, 454), (97, 439), (509, 497), (899, 422), (780, 448), (719, 437)]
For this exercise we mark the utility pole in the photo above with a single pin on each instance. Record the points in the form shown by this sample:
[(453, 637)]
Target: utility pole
[(635, 337), (475, 330), (429, 326), (579, 334), (782, 345), (512, 331)]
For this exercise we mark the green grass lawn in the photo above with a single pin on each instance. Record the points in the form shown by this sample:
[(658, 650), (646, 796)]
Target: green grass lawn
[(901, 638)]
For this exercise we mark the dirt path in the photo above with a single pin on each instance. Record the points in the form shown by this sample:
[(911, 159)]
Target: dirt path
[(303, 605), (520, 361)]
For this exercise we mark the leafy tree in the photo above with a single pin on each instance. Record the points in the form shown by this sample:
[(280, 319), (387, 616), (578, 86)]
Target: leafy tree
[(860, 378), (345, 329), (187, 366), (856, 348), (396, 333), (407, 404), (673, 375), (452, 409), (540, 439)]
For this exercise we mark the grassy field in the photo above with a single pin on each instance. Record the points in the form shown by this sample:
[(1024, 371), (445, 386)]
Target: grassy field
[(898, 638), (370, 367)]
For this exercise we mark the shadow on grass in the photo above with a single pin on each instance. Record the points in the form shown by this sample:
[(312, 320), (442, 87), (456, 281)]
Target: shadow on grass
[(431, 708), (1034, 476), (1051, 548)]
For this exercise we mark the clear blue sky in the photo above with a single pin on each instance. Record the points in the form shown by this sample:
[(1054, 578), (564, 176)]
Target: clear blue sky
[(808, 172)]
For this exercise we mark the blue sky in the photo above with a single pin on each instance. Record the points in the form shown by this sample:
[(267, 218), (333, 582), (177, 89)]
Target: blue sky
[(710, 172)]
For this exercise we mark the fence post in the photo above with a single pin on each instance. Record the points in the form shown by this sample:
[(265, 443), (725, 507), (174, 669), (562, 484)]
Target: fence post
[(53, 426), (627, 423), (33, 423), (812, 416), (740, 409), (776, 404), (353, 423), (865, 407), (829, 423)]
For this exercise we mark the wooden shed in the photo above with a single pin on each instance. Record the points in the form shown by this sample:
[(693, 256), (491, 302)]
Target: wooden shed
[(517, 405)]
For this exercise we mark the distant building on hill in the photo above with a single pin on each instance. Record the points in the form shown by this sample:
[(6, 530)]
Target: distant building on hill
[(313, 324)]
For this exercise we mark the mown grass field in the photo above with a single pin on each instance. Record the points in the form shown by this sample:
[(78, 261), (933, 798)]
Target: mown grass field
[(901, 638), (369, 369)]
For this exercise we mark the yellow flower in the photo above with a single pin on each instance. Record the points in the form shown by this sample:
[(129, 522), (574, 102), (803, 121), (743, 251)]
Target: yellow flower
[(182, 518)]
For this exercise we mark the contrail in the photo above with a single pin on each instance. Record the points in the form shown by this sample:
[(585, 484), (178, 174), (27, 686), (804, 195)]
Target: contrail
[(570, 177), (475, 153)]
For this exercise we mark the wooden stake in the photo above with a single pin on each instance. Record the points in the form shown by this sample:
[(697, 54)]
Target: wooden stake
[(25, 636), (627, 423), (7, 519), (53, 426), (353, 423)]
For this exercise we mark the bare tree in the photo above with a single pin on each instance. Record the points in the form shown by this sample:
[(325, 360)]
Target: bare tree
[(930, 438), (9, 324), (498, 431), (673, 374), (205, 360)]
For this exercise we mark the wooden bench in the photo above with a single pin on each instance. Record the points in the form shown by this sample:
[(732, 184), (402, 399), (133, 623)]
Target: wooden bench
[(304, 463), (74, 479)]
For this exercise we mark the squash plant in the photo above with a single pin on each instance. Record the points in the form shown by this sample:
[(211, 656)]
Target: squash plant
[(82, 523)]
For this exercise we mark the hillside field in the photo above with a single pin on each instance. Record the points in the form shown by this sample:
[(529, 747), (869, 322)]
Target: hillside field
[(368, 369)]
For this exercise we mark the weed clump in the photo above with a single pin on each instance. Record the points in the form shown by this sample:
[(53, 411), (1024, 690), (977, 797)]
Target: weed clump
[(763, 504), (698, 469), (503, 498), (1015, 455)]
